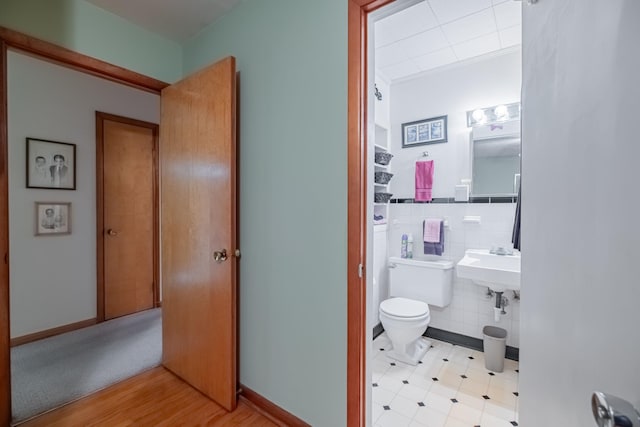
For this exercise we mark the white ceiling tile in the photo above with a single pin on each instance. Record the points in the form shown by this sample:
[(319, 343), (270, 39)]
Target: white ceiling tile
[(403, 69), (477, 46), (511, 36), (472, 26), (435, 59), (422, 43), (390, 55), (508, 14), (405, 23), (450, 10)]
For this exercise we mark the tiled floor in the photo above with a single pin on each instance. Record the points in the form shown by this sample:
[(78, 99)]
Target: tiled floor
[(450, 388)]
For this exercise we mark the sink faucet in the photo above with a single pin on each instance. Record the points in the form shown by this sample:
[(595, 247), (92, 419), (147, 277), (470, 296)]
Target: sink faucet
[(500, 250)]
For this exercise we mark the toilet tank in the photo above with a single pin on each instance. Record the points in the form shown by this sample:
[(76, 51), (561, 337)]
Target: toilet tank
[(427, 281)]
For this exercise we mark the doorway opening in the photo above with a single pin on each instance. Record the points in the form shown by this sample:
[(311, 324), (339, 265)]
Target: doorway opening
[(426, 68)]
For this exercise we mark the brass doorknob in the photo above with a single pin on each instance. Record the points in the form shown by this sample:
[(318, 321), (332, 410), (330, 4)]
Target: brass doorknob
[(220, 256), (112, 232)]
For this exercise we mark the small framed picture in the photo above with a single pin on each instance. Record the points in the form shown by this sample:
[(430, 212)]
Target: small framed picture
[(53, 218), (51, 164), (427, 131)]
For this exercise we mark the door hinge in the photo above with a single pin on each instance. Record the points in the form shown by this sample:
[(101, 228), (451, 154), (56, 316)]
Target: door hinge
[(360, 271)]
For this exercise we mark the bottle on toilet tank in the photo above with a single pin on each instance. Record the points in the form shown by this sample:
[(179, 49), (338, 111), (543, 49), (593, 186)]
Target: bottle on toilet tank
[(410, 246), (403, 246)]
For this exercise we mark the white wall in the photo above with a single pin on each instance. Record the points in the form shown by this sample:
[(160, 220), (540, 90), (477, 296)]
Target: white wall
[(53, 278), (470, 309), (580, 234), (451, 91)]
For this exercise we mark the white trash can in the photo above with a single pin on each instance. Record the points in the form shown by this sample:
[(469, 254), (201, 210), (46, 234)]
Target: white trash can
[(495, 347)]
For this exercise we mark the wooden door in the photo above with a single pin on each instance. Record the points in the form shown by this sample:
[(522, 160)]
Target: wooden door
[(198, 210), (127, 215)]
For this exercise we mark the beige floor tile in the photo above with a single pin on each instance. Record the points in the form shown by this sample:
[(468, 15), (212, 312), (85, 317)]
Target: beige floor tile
[(450, 378), (393, 419), (439, 403), (379, 366), (473, 401), (443, 390), (467, 414), (503, 396), (498, 411), (421, 381), (400, 372), (382, 396), (376, 411), (473, 388), (404, 406), (479, 375), (488, 420), (413, 392), (430, 417), (389, 383), (454, 422)]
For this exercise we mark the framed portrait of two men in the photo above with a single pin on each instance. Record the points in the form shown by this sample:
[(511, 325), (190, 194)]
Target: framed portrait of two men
[(51, 164)]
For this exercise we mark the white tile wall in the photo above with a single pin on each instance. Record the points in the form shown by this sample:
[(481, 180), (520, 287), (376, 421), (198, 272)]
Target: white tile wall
[(470, 309)]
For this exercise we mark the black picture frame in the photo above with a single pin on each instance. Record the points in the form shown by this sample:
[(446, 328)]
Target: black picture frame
[(52, 218), (50, 164), (424, 132)]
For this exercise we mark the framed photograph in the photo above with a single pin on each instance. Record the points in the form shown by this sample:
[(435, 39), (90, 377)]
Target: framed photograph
[(53, 218), (51, 164), (427, 131)]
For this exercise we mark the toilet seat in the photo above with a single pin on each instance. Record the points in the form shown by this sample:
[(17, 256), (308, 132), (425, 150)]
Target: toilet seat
[(404, 308)]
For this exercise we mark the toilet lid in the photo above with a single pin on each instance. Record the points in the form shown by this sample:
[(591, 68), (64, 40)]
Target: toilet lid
[(404, 307)]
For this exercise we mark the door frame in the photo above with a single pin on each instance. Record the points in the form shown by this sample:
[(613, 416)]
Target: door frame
[(358, 14), (100, 118), (14, 40)]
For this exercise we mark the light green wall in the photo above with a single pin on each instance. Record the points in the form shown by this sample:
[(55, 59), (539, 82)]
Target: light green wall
[(292, 62), (85, 28)]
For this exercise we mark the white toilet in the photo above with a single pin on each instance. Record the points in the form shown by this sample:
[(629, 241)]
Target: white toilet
[(405, 315)]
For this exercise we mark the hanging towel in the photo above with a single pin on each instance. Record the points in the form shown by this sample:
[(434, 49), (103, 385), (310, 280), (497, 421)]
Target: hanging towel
[(432, 230), (515, 237), (434, 248), (424, 181)]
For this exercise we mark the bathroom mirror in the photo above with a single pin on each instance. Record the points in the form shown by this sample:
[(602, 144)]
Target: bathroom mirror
[(495, 159)]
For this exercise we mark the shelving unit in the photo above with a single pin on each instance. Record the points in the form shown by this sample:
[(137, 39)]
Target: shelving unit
[(381, 144)]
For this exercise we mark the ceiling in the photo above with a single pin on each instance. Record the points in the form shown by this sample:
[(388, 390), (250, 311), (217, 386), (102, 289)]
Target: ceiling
[(175, 20), (435, 33), (428, 35)]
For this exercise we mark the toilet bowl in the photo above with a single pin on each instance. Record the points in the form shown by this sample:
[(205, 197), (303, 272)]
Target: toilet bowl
[(413, 285), (405, 320)]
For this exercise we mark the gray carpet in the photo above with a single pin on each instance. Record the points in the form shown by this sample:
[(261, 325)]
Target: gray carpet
[(48, 373)]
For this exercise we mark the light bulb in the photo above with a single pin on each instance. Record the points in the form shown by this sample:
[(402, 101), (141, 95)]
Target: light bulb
[(501, 112), (479, 116)]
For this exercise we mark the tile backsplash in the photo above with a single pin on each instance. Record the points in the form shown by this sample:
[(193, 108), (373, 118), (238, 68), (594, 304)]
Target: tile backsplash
[(470, 309)]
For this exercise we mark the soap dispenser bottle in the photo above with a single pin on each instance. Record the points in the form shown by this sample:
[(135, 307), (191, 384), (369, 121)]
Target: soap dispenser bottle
[(403, 246), (410, 246)]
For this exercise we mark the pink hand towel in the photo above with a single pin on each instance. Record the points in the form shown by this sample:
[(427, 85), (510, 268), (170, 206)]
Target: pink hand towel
[(424, 181), (432, 230)]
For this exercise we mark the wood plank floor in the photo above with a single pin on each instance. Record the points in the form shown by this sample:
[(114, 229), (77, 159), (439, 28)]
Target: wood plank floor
[(153, 398)]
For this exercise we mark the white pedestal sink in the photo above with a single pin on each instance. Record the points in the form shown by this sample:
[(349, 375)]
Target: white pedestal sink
[(498, 272)]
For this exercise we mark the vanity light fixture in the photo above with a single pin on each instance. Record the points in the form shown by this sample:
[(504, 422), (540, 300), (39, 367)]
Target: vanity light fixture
[(495, 114)]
